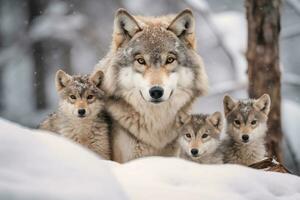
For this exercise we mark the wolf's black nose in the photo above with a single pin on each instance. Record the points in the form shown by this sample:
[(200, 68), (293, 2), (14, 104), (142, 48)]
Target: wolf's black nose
[(156, 92), (194, 152), (245, 138), (81, 112)]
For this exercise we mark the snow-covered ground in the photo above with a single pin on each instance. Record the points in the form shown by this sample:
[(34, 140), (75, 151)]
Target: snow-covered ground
[(173, 178), (39, 165)]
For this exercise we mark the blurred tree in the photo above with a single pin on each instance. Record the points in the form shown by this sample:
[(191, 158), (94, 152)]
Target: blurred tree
[(263, 63), (52, 32), (1, 73), (36, 8)]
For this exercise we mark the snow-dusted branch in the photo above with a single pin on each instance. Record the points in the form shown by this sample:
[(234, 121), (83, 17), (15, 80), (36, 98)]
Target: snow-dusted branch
[(292, 79), (293, 31), (7, 54), (204, 10), (228, 86), (290, 32), (294, 4)]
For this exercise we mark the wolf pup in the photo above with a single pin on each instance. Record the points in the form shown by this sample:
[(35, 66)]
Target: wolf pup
[(80, 115), (246, 129), (152, 72), (199, 139)]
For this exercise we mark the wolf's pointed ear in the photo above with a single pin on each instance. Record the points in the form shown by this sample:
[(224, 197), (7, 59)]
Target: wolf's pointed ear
[(62, 79), (183, 25), (182, 119), (96, 78), (216, 120), (263, 104), (125, 27), (228, 104)]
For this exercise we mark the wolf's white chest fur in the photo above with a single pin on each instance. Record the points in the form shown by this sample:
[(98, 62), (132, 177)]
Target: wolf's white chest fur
[(75, 129), (152, 124), (146, 129), (244, 154), (91, 133)]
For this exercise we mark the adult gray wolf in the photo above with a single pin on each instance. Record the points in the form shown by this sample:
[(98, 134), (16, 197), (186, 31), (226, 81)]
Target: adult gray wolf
[(152, 72)]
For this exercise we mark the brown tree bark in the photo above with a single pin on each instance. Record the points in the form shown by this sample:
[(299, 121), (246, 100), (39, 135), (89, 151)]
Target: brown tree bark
[(263, 63)]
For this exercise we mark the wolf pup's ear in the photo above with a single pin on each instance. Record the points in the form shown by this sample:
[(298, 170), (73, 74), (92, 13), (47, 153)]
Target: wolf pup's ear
[(216, 120), (97, 78), (125, 27), (183, 25), (62, 79), (228, 104), (263, 104), (182, 119)]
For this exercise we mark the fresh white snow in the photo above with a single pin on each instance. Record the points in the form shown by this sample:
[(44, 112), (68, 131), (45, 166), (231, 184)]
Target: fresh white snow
[(173, 178), (40, 165)]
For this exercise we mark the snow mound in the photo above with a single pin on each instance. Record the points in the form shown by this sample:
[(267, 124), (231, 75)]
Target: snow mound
[(39, 165), (173, 178)]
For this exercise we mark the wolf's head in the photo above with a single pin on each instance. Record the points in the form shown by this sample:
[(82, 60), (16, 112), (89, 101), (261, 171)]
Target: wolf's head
[(155, 58), (80, 96), (247, 119), (200, 136)]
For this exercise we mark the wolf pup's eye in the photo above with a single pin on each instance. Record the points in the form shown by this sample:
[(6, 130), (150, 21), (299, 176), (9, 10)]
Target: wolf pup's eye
[(90, 97), (72, 96), (170, 60), (141, 61), (237, 122), (205, 135), (188, 135), (253, 122)]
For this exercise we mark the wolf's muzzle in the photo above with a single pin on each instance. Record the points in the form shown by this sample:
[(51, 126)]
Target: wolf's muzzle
[(194, 152), (81, 112), (156, 92), (245, 138)]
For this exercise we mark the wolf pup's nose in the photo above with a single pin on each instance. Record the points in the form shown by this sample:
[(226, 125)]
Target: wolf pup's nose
[(156, 92), (194, 152), (245, 138), (81, 112)]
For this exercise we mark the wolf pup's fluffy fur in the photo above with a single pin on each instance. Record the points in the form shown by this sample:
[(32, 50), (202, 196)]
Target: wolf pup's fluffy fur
[(199, 139), (246, 129), (79, 116), (152, 72)]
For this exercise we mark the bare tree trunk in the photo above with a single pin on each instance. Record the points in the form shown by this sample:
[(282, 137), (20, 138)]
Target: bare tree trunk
[(1, 89), (1, 65), (35, 9), (39, 75), (263, 63)]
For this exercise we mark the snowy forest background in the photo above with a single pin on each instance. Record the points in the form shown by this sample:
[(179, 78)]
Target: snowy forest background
[(38, 37)]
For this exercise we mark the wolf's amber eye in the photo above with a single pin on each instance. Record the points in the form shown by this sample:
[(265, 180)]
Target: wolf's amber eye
[(188, 135), (170, 60), (90, 97), (141, 61), (253, 122), (237, 122), (205, 135), (72, 97)]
